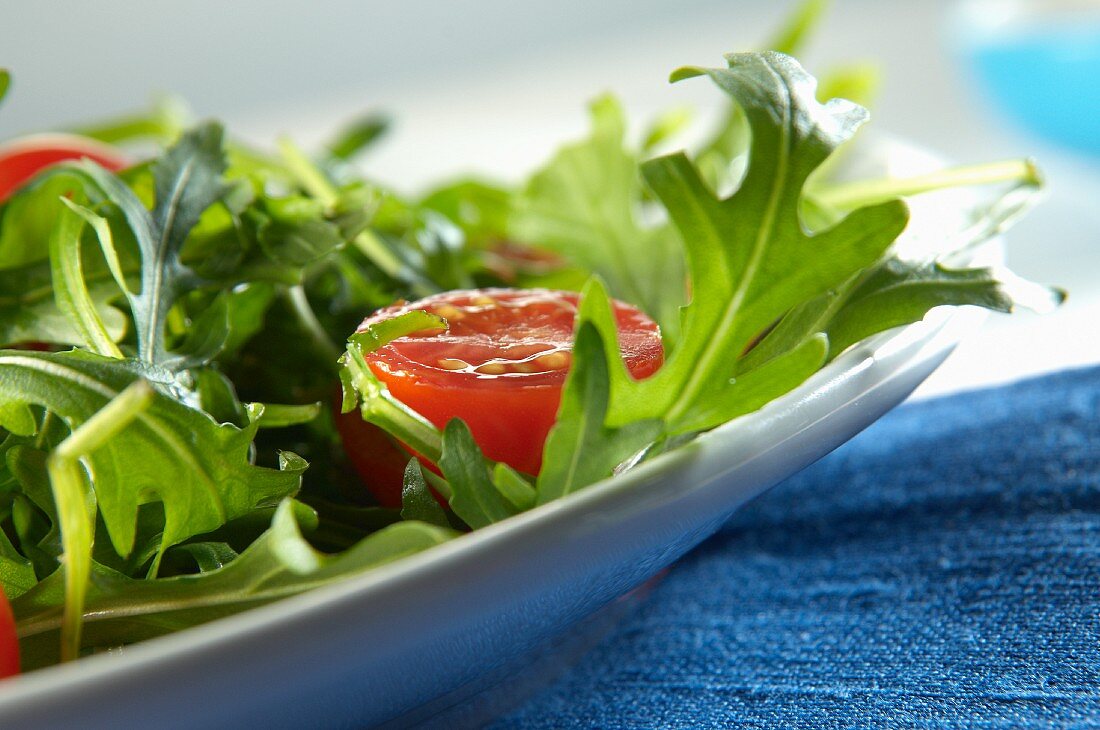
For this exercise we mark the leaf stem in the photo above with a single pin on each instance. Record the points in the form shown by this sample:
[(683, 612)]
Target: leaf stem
[(296, 296), (75, 501), (379, 407), (312, 180), (854, 195)]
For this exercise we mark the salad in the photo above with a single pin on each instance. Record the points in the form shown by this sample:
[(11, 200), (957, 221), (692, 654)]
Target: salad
[(229, 376)]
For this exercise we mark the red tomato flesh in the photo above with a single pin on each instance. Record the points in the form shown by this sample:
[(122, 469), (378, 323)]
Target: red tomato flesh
[(21, 159), (500, 367), (9, 645)]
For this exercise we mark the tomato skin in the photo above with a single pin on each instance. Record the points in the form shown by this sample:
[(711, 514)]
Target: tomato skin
[(23, 158), (377, 458), (500, 367), (9, 644)]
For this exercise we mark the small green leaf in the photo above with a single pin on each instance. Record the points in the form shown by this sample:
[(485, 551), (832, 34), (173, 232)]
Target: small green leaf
[(208, 556), (357, 136), (379, 334), (17, 574), (17, 418), (187, 181), (513, 486), (275, 415), (798, 27), (666, 126), (70, 289), (205, 338), (417, 501), (899, 292), (581, 449), (475, 499), (5, 82), (479, 208)]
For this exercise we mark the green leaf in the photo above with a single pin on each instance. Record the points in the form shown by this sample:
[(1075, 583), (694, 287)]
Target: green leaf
[(376, 404), (858, 82), (29, 311), (17, 418), (585, 205), (121, 610), (187, 181), (749, 256), (275, 415), (475, 498), (417, 501), (380, 334), (28, 218), (70, 289), (205, 337), (581, 449), (666, 126), (479, 208), (513, 486), (173, 454), (208, 556), (5, 82), (357, 136), (17, 574), (798, 27), (900, 292), (295, 232)]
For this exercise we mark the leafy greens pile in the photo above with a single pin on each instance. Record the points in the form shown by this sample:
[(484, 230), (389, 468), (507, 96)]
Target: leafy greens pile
[(166, 458)]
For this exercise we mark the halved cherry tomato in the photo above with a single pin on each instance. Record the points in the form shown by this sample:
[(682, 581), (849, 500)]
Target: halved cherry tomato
[(500, 367), (23, 158), (9, 645)]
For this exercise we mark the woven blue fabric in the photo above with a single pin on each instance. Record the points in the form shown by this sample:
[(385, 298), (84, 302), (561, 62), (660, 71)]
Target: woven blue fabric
[(940, 570)]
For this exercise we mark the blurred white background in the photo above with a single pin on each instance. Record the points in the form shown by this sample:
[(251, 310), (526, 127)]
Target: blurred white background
[(493, 86)]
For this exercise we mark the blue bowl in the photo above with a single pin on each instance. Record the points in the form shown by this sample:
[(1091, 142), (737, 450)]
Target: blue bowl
[(1039, 64)]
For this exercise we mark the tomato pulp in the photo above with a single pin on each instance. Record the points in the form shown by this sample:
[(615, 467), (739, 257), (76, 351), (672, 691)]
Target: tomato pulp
[(500, 367), (21, 159), (9, 645)]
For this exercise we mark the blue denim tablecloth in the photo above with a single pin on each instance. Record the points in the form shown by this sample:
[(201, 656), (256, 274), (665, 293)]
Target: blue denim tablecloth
[(940, 570)]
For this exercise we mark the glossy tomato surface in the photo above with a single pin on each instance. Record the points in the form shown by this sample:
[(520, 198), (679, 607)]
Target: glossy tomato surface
[(9, 645), (23, 158), (500, 367)]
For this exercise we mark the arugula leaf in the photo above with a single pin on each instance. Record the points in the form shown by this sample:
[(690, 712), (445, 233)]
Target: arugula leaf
[(172, 453), (798, 27), (17, 574), (417, 501), (187, 181), (28, 218), (570, 461), (474, 496), (121, 610), (479, 208), (29, 311), (358, 135), (70, 290), (585, 205), (901, 292), (749, 257)]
